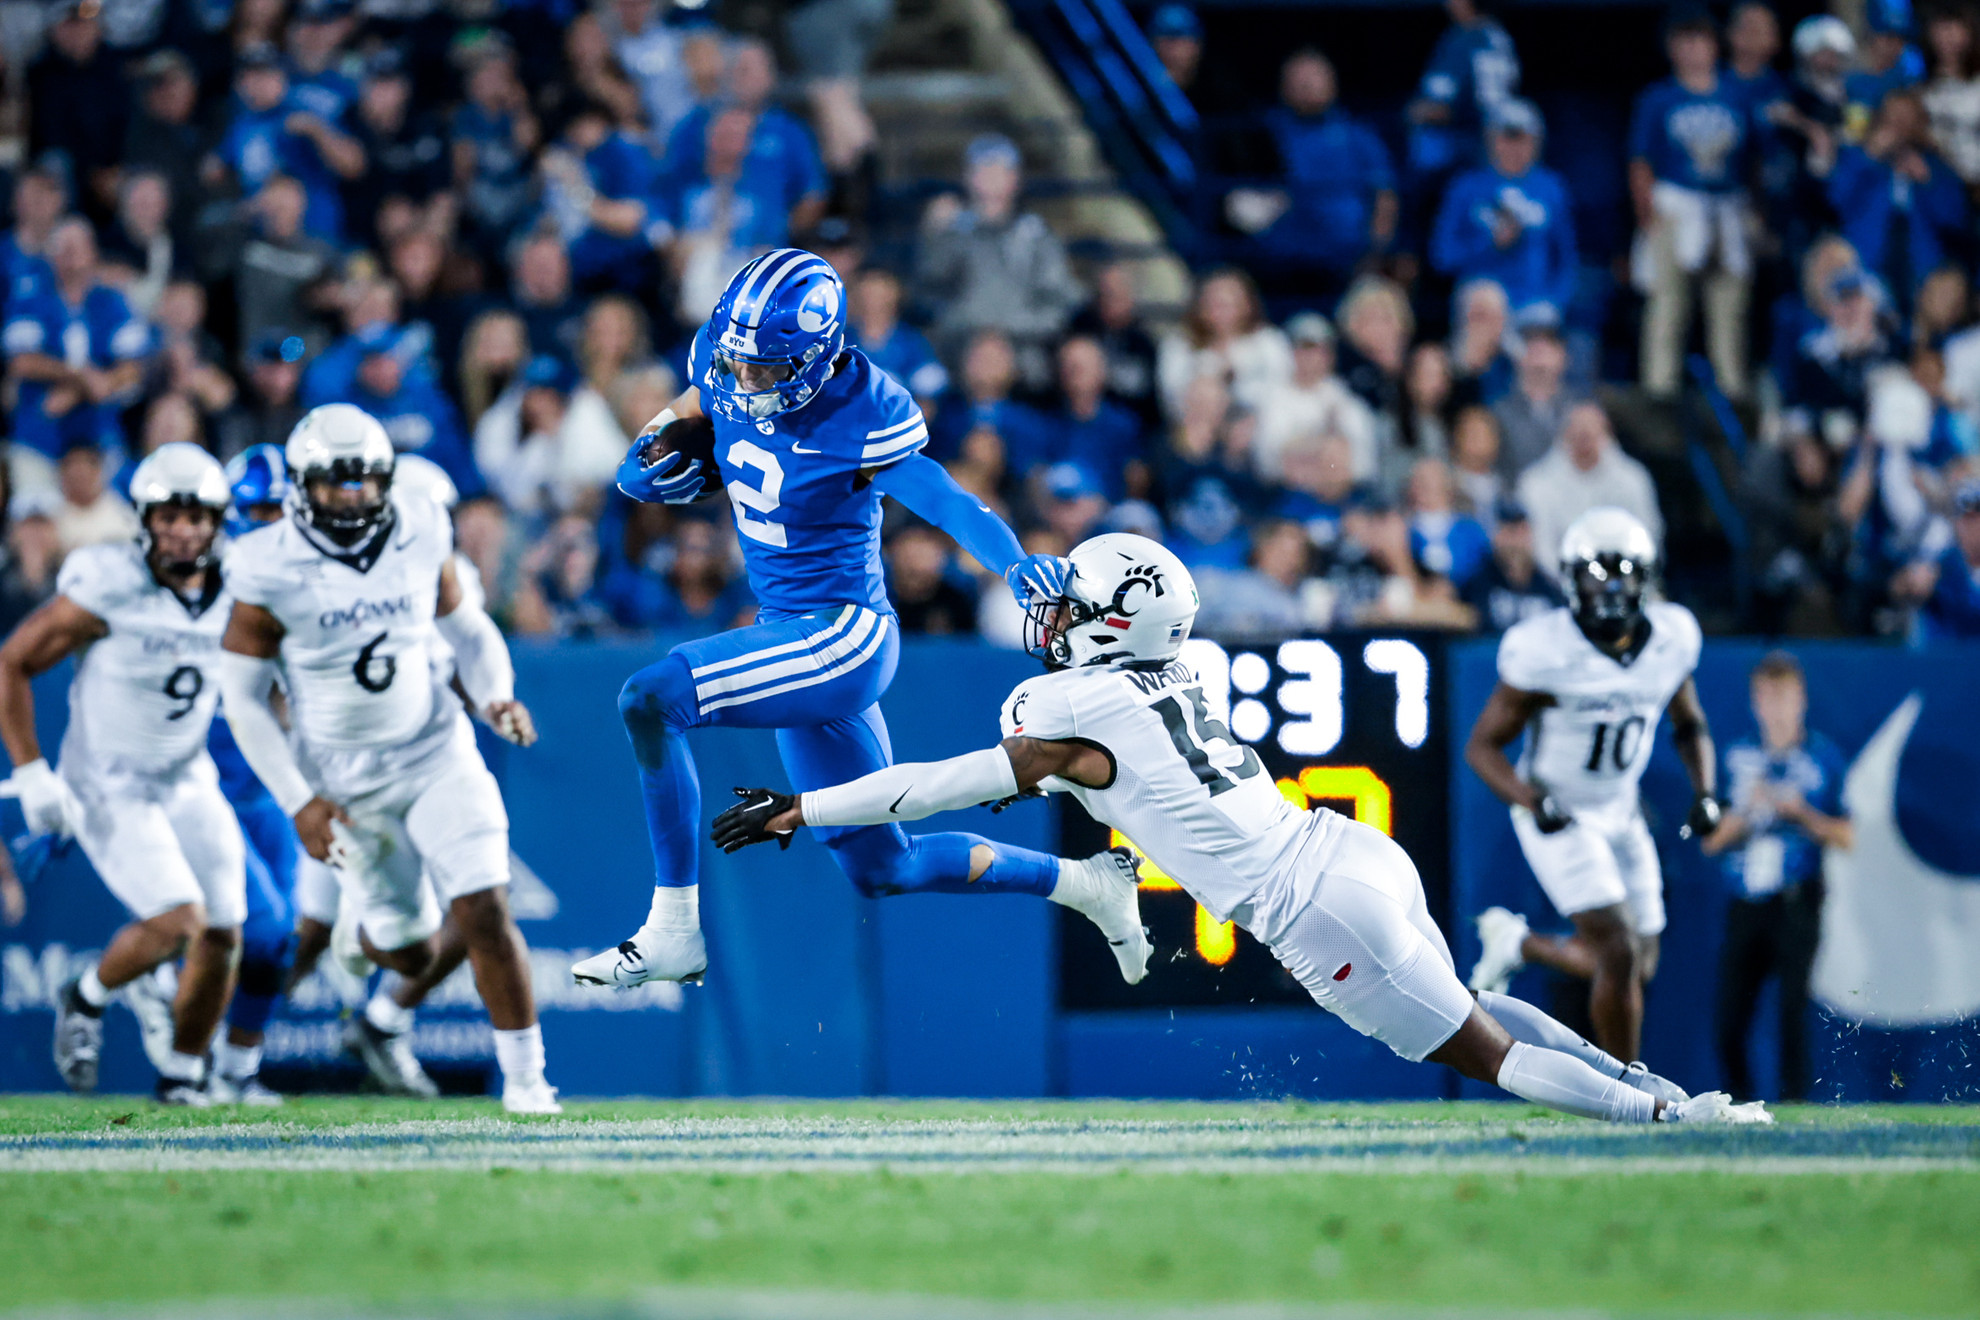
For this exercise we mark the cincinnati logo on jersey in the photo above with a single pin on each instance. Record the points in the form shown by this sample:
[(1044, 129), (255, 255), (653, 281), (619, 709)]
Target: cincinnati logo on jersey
[(177, 643), (365, 611), (1606, 703)]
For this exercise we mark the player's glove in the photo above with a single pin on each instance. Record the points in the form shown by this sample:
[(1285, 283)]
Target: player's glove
[(1703, 818), (1038, 579), (1015, 798), (1550, 817), (47, 803), (749, 820), (668, 478)]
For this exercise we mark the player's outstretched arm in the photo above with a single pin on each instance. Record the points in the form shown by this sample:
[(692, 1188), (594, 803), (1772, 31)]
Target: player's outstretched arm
[(250, 668), (43, 639), (482, 663), (1507, 713), (924, 486), (913, 790), (1693, 737)]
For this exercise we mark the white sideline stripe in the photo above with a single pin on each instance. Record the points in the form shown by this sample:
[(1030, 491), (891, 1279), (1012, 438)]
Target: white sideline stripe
[(903, 441), (837, 625), (897, 426), (845, 666), (823, 658)]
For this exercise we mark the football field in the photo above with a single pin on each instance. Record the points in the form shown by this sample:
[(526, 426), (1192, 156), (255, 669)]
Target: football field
[(1041, 1209)]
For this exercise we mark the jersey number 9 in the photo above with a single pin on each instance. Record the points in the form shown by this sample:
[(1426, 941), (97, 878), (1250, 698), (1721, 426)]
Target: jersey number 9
[(184, 685)]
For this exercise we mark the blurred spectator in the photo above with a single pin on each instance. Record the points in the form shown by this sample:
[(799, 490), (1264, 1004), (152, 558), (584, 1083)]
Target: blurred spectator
[(74, 354), (269, 134), (1512, 221), (1902, 207), (1946, 589), (1788, 493), (78, 103), (641, 395), (986, 265), (139, 252), (416, 261), (40, 197), (164, 136), (1472, 73), (780, 164), (724, 213), (28, 554), (493, 354), (650, 51), (1691, 153), (1317, 472), (1206, 479), (1586, 469), (1267, 600), (1952, 97), (540, 289), (269, 406), (1089, 428), (1753, 43), (405, 149), (1828, 392), (549, 445), (187, 360), (1177, 35), (690, 581), (1481, 368), (1376, 581), (1476, 452), (989, 373), (89, 512), (921, 582), (597, 186), (168, 419), (1430, 400), (1114, 318), (411, 406), (1444, 541), (1942, 310), (1784, 806), (1806, 309), (370, 308), (494, 134), (1888, 63), (1509, 586), (281, 272), (1899, 483), (592, 76), (1531, 412), (614, 344), (318, 85), (1227, 336), (555, 588), (1376, 326), (1337, 203), (979, 467), (873, 323), (1071, 501), (1313, 401)]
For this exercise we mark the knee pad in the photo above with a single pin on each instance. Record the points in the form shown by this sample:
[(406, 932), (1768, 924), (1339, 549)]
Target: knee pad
[(657, 701)]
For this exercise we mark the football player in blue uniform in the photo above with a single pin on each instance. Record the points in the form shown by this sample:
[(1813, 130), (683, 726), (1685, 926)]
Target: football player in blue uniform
[(808, 435)]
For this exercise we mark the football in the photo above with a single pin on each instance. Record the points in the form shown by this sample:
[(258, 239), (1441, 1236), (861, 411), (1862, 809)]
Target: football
[(694, 437)]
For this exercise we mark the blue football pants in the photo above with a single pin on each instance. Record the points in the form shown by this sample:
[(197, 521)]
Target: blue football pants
[(268, 934)]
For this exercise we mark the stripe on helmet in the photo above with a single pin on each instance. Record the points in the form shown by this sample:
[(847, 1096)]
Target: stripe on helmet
[(756, 295)]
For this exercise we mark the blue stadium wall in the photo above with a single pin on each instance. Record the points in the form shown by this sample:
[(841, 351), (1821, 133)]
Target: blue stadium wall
[(814, 991)]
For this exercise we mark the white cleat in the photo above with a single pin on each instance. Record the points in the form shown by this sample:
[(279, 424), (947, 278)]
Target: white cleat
[(530, 1097), (249, 1091), (150, 998), (346, 947), (1501, 932), (1657, 1088), (650, 955), (1106, 889), (1715, 1107), (389, 1058)]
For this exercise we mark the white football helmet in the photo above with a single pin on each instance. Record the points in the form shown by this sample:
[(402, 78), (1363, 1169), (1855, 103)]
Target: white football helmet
[(423, 476), (344, 444), (1127, 600), (1608, 562), (184, 474)]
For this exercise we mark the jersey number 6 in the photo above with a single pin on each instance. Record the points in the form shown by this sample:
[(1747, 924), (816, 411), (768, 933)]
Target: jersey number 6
[(748, 499), (374, 672)]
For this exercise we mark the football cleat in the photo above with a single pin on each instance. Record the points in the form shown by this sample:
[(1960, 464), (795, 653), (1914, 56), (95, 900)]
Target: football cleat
[(650, 955), (78, 1038), (534, 1096), (1715, 1107), (1657, 1088), (346, 948), (181, 1094), (1501, 932), (1106, 889), (389, 1058), (150, 1000), (249, 1091)]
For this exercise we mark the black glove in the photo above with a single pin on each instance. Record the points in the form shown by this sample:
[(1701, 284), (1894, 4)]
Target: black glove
[(1015, 798), (748, 821), (1550, 817), (1703, 817)]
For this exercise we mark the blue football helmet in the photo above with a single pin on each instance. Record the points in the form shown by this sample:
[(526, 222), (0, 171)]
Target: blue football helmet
[(782, 323), (259, 476)]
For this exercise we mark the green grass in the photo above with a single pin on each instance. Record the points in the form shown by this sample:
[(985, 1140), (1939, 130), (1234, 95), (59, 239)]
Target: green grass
[(1895, 1243)]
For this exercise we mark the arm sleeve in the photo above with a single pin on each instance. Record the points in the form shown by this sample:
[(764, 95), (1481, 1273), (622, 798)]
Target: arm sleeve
[(912, 791), (245, 682), (481, 657), (922, 485)]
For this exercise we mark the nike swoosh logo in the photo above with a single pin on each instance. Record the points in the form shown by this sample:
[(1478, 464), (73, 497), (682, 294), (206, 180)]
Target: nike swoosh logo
[(797, 448), (895, 810)]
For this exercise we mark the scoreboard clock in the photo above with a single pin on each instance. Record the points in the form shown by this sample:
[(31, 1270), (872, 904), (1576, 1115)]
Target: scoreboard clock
[(1346, 722)]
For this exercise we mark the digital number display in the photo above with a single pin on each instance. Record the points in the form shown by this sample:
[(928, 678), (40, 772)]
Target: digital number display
[(1341, 722)]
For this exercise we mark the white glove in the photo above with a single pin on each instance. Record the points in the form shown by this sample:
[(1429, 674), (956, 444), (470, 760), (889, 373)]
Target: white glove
[(47, 802)]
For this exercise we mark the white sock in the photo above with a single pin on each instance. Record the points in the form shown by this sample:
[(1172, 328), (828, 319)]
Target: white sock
[(1067, 891), (520, 1053), (184, 1067), (236, 1061), (90, 987), (388, 1015), (1561, 1081), (675, 907), (1523, 1021)]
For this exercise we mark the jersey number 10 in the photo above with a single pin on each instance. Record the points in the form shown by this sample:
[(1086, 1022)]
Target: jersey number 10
[(1621, 748)]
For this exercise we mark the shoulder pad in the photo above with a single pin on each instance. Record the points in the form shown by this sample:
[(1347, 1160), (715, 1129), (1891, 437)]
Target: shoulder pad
[(101, 577)]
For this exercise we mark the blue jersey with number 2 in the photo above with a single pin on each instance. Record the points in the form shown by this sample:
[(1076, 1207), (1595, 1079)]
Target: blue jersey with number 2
[(810, 524)]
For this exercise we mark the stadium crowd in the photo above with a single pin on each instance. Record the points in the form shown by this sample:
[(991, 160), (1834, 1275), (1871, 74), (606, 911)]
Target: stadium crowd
[(495, 227)]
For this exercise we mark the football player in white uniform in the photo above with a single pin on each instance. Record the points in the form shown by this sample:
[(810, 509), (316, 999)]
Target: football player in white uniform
[(1587, 685), (136, 786), (1123, 726), (343, 602)]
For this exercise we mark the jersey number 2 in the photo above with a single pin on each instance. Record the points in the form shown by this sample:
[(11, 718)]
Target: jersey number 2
[(1621, 748), (1207, 731), (750, 500)]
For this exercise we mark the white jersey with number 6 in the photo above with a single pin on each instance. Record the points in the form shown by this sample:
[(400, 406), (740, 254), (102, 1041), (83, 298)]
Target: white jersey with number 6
[(143, 694), (359, 644), (1190, 796), (1590, 747)]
